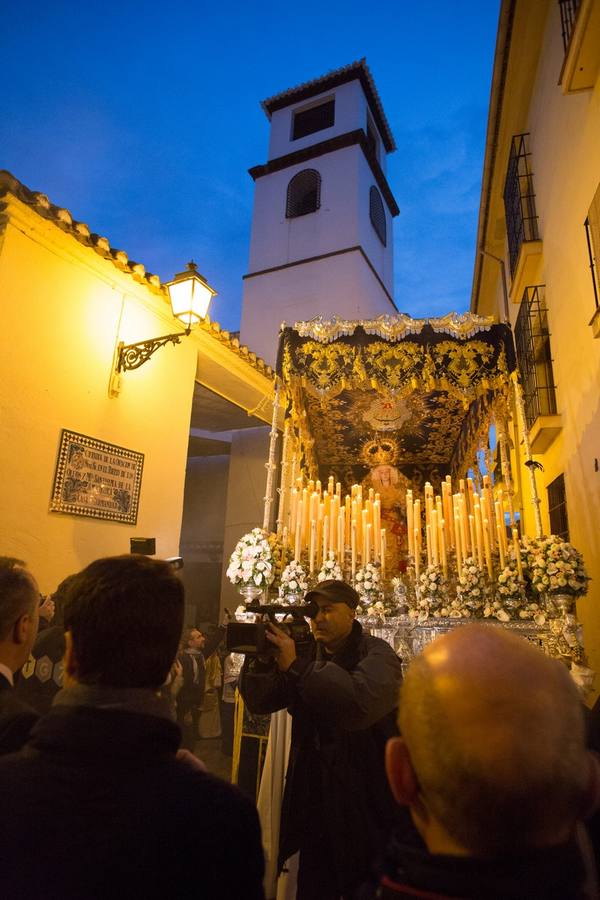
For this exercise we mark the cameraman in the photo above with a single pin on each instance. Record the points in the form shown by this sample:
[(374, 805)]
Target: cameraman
[(337, 808)]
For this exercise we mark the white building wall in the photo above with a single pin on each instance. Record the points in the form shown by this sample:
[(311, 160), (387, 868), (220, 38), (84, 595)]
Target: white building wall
[(277, 240), (341, 285)]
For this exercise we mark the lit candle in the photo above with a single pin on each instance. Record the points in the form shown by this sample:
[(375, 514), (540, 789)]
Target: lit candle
[(428, 539), (341, 538), (338, 490), (417, 556), (479, 534), (500, 547), (443, 548), (457, 544), (433, 530), (517, 546), (410, 528), (383, 538), (377, 529), (364, 536), (417, 526), (486, 546), (297, 545), (472, 534), (368, 543), (325, 536), (294, 508), (313, 543), (353, 548)]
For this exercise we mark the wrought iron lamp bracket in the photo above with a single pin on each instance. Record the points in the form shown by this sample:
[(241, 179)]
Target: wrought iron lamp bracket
[(132, 356)]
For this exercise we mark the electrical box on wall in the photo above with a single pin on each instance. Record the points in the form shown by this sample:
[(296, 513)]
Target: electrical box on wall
[(147, 546)]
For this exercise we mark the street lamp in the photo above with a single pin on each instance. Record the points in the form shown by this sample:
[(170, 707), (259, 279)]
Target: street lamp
[(190, 296)]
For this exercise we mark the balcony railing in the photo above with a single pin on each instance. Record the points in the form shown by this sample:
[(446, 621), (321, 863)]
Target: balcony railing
[(568, 17), (519, 199), (532, 340)]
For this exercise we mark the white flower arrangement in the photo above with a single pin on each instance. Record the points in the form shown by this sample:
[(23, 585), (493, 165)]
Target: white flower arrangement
[(331, 569), (554, 567), (293, 580), (431, 596), (367, 581), (471, 590), (509, 597), (253, 561)]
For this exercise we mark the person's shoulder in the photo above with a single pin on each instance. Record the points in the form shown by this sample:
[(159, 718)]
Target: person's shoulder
[(370, 643)]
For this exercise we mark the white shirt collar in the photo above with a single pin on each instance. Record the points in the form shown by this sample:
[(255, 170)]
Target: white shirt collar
[(4, 670)]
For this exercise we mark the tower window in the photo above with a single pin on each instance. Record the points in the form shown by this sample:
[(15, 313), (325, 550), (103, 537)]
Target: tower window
[(315, 118), (303, 194), (372, 142), (377, 215)]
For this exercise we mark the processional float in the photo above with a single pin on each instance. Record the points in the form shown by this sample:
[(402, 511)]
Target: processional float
[(395, 474)]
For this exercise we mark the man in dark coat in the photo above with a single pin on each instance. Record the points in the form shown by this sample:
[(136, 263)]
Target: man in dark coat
[(19, 618), (100, 804), (493, 768), (191, 694), (337, 807)]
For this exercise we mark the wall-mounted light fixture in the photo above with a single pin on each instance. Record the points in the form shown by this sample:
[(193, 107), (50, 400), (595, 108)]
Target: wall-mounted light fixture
[(190, 296)]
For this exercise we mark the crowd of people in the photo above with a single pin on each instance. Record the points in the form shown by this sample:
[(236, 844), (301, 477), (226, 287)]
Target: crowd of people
[(471, 777)]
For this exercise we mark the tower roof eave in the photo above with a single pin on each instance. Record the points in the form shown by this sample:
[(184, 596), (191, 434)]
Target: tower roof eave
[(355, 70)]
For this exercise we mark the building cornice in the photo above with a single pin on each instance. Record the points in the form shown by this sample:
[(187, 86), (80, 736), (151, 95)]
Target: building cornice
[(312, 259), (348, 139)]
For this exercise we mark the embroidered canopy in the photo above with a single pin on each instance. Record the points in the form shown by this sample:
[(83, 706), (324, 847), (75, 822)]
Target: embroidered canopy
[(417, 394)]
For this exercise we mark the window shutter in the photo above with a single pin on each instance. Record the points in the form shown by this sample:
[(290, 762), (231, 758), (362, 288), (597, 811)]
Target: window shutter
[(377, 215), (303, 194)]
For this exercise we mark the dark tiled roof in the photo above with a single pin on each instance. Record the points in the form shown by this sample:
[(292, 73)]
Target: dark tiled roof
[(80, 231), (356, 70)]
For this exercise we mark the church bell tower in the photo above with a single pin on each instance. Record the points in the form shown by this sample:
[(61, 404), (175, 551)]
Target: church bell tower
[(322, 241)]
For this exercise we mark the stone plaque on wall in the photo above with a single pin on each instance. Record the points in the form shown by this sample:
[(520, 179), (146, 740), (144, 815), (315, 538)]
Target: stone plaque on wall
[(96, 479)]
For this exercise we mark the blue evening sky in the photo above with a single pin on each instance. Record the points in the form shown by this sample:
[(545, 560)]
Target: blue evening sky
[(142, 119)]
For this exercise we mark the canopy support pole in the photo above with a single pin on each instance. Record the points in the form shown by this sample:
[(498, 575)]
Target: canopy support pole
[(529, 461), (271, 465)]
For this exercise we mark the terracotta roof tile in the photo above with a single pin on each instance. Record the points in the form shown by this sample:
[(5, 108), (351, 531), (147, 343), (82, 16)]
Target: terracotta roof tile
[(63, 219)]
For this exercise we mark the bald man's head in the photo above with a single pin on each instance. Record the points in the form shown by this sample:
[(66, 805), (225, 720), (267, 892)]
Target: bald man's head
[(495, 734)]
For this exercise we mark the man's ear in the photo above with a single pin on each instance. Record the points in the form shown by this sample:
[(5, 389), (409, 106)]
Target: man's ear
[(400, 772), (70, 675), (22, 628)]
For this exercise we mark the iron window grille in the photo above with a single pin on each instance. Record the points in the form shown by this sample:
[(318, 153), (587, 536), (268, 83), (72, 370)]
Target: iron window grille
[(557, 508), (315, 118), (519, 199), (303, 194), (568, 17), (377, 215), (532, 340), (592, 233)]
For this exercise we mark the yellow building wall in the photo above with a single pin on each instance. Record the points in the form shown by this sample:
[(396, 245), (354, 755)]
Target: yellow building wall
[(565, 161), (64, 308)]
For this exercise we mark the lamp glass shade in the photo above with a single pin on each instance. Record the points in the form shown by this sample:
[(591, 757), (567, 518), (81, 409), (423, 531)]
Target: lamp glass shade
[(190, 299)]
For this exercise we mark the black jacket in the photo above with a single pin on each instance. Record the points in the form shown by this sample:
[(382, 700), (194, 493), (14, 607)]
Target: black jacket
[(97, 806), (553, 874), (343, 711), (16, 718)]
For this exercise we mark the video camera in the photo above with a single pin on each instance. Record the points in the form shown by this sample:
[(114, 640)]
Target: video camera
[(251, 637)]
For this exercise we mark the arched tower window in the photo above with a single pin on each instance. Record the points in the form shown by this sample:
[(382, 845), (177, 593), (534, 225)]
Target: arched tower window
[(377, 215), (303, 194)]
